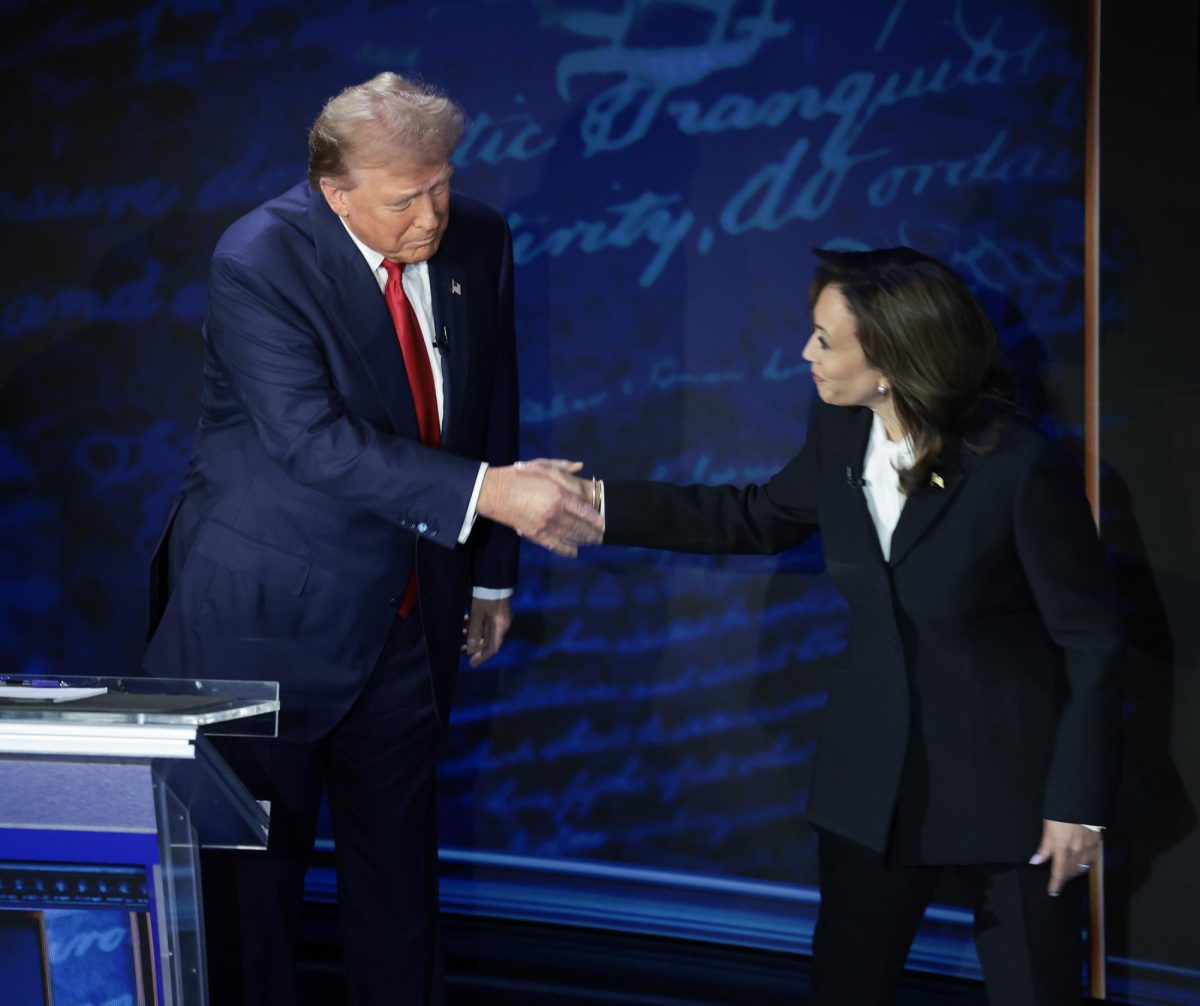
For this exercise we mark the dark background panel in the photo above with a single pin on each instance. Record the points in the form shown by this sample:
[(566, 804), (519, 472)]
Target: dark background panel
[(1151, 485)]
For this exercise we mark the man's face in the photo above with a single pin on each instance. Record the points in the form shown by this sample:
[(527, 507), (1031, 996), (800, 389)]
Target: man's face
[(399, 210)]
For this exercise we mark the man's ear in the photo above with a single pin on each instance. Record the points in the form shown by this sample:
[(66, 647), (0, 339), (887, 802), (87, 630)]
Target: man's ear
[(335, 197)]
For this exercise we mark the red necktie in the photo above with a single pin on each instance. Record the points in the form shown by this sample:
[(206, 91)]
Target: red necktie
[(420, 379), (416, 357)]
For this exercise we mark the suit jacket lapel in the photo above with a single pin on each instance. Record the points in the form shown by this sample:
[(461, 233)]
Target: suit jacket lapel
[(924, 506), (367, 325), (853, 435), (449, 290)]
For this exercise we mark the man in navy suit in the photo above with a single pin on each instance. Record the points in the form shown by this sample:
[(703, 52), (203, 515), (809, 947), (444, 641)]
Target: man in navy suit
[(352, 491)]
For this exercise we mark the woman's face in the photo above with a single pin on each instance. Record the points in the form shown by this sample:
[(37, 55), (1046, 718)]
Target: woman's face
[(839, 367)]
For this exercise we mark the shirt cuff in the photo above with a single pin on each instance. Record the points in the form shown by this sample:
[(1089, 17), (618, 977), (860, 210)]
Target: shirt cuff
[(1094, 827), (469, 518), (491, 593)]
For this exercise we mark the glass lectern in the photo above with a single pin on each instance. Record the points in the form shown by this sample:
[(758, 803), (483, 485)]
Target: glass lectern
[(108, 787)]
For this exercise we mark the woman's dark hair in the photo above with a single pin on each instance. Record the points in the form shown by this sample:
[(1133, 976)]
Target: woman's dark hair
[(918, 323)]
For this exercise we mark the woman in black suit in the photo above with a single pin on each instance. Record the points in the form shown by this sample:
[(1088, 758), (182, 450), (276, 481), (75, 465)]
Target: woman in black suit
[(972, 722)]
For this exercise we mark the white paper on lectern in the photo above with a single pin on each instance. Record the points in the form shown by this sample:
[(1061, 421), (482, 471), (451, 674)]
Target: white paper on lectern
[(47, 693)]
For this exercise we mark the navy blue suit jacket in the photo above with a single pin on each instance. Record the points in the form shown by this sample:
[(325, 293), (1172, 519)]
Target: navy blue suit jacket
[(979, 692), (309, 497)]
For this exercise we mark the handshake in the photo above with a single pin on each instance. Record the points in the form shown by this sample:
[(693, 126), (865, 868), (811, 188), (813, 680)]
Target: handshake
[(546, 502)]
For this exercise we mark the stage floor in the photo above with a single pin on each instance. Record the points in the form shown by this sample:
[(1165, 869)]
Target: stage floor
[(497, 963)]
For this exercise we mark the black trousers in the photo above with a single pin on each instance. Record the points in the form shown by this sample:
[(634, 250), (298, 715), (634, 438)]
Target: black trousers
[(377, 767), (1028, 942)]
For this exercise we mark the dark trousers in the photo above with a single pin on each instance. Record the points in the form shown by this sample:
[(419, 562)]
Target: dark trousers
[(1028, 942), (377, 767)]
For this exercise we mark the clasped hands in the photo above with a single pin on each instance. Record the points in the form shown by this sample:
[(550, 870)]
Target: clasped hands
[(543, 501)]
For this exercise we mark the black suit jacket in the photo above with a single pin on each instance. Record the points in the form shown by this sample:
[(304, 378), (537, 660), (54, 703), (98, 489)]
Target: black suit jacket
[(309, 496), (979, 692)]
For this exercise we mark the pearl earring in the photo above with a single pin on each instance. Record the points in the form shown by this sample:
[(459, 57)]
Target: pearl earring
[(881, 388)]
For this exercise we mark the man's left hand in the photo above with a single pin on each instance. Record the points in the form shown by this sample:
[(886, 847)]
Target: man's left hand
[(485, 627)]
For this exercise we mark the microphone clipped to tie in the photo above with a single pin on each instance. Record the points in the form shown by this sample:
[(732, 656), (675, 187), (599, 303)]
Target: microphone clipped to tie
[(854, 481)]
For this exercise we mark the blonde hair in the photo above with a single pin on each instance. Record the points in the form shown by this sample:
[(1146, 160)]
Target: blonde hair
[(386, 118)]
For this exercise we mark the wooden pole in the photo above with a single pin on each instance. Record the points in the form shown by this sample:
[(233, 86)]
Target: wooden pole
[(1097, 975)]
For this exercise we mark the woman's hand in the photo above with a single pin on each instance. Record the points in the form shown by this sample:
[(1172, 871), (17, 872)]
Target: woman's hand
[(1070, 849)]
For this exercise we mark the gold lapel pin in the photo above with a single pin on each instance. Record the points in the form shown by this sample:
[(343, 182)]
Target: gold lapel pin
[(936, 480)]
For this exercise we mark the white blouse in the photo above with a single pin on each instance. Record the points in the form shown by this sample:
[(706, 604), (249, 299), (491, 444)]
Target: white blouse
[(881, 464)]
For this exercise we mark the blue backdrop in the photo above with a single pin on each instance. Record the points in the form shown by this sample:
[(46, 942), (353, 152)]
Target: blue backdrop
[(666, 165)]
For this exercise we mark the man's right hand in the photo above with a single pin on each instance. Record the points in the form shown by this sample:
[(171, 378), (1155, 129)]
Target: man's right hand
[(542, 501)]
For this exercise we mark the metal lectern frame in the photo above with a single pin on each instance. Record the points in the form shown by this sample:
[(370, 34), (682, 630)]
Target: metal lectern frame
[(127, 779)]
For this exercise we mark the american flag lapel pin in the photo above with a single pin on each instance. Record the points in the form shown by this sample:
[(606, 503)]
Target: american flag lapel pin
[(455, 288)]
